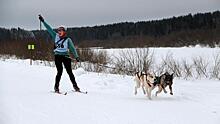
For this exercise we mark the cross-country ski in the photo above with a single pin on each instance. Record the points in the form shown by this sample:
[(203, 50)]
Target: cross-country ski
[(83, 92), (61, 93)]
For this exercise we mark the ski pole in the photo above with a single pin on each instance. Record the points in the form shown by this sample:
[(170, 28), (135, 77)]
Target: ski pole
[(40, 25)]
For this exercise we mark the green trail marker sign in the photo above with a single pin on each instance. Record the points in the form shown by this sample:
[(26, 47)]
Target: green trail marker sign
[(31, 47)]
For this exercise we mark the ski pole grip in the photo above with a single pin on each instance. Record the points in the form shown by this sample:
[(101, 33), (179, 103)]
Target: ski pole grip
[(41, 18)]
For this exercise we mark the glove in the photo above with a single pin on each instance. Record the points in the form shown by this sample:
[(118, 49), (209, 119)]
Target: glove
[(77, 59), (41, 18)]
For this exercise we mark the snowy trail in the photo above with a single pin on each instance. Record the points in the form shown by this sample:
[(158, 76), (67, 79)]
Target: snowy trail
[(26, 99)]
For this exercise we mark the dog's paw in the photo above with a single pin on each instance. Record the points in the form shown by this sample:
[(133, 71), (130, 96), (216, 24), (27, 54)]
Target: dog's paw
[(165, 91), (171, 93), (135, 93)]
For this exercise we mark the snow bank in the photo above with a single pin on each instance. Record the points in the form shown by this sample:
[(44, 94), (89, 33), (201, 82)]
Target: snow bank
[(79, 71), (26, 99)]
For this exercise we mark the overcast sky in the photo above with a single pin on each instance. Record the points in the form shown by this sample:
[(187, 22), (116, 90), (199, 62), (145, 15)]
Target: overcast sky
[(77, 13)]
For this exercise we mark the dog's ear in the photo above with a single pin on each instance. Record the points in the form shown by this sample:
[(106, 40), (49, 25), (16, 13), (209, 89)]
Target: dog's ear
[(172, 75), (166, 73)]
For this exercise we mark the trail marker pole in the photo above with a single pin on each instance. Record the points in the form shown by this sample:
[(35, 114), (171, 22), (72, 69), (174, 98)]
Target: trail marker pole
[(31, 47)]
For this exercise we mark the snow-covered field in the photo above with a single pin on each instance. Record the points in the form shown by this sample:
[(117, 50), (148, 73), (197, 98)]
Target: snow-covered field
[(25, 98), (177, 52)]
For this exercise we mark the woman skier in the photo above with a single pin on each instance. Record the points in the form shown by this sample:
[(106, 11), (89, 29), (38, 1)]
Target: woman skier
[(63, 45)]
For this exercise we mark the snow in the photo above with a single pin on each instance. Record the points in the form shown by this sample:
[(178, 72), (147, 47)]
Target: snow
[(26, 99), (178, 53)]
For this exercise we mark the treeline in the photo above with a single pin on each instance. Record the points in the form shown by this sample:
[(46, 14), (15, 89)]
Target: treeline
[(201, 28), (176, 31), (173, 32)]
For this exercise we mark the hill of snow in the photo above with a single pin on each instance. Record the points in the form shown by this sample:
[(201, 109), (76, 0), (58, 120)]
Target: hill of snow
[(26, 99)]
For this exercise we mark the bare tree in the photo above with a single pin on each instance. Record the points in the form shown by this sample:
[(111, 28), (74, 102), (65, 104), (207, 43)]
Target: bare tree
[(130, 61), (93, 60), (171, 65), (200, 66), (187, 69), (215, 70)]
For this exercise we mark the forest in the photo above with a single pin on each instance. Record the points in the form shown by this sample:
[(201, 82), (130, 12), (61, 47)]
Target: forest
[(186, 30)]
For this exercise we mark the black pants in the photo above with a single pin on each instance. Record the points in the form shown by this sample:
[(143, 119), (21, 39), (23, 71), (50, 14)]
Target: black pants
[(59, 59)]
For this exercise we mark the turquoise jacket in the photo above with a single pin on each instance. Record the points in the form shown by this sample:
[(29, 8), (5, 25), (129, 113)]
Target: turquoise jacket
[(71, 47)]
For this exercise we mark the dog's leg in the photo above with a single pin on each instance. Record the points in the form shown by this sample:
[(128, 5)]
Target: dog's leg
[(171, 90), (143, 90), (135, 90), (163, 87), (149, 92), (159, 89), (136, 87)]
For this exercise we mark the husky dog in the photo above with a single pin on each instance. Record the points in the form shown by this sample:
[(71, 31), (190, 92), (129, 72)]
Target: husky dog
[(162, 82), (145, 81)]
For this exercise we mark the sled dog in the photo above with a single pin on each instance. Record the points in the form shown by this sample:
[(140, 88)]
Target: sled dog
[(145, 81), (162, 82)]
